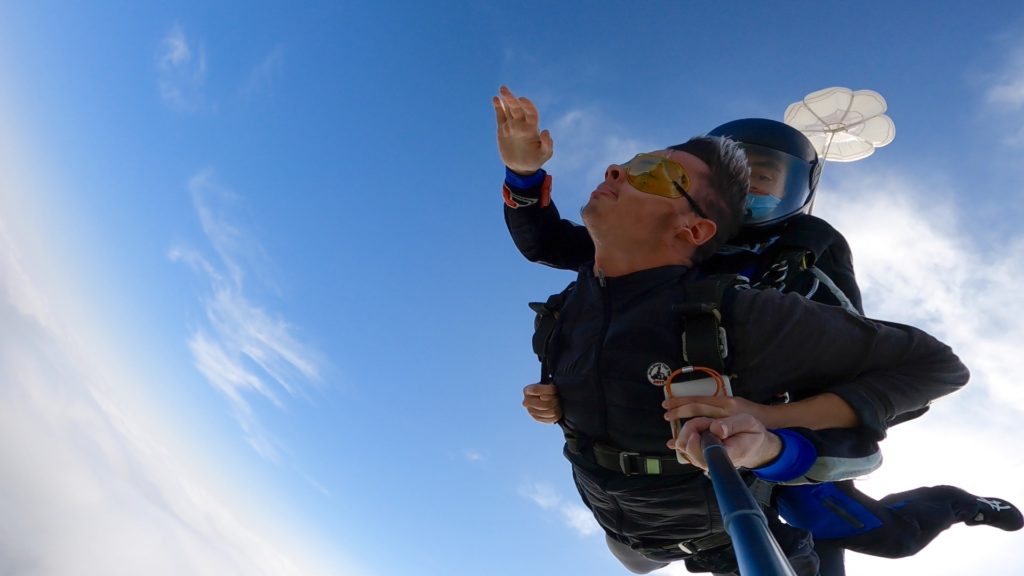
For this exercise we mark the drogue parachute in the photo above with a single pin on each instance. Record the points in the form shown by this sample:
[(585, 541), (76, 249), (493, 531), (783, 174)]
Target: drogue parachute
[(843, 125)]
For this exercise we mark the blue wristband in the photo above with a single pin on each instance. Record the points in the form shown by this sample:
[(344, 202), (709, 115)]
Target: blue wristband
[(796, 458), (524, 182)]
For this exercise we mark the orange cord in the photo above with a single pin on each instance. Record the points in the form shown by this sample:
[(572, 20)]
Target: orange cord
[(719, 385)]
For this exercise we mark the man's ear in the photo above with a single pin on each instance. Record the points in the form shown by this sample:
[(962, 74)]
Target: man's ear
[(699, 233)]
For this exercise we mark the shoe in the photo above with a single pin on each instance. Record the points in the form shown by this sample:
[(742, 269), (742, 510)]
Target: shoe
[(998, 513)]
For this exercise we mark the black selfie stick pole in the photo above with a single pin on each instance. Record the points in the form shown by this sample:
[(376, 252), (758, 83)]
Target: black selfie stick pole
[(757, 552)]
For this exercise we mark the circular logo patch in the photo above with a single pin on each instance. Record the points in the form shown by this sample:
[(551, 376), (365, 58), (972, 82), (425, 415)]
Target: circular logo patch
[(658, 373)]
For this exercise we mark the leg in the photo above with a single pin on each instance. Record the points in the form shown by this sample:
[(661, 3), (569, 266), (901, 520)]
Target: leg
[(911, 520), (831, 561)]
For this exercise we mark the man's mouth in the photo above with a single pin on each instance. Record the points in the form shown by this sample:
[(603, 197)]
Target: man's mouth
[(603, 191)]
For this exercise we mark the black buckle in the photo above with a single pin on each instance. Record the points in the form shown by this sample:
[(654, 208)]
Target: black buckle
[(648, 465), (625, 464)]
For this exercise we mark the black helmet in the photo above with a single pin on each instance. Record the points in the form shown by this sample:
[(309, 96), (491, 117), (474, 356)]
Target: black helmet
[(784, 169)]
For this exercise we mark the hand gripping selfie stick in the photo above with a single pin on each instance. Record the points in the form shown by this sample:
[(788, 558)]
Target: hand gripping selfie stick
[(757, 552)]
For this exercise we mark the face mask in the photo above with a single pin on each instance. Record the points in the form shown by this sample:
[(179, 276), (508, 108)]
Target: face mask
[(760, 206)]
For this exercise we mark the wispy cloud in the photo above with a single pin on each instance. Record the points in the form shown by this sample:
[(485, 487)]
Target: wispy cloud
[(571, 513), (917, 264), (1005, 94), (1008, 89), (263, 76), (245, 351), (84, 485), (586, 142), (181, 67)]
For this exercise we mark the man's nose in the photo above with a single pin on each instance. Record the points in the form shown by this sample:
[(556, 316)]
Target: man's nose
[(614, 173)]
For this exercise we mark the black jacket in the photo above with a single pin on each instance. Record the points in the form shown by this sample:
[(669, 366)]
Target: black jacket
[(610, 332)]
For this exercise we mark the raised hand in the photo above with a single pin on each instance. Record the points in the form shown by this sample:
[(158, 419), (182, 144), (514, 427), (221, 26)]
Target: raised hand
[(523, 147)]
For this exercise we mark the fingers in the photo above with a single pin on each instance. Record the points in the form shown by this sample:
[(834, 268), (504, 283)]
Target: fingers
[(694, 409), (540, 390), (529, 110), (712, 406), (516, 109), (688, 441), (499, 110), (547, 144), (737, 424), (513, 109), (692, 406), (541, 402)]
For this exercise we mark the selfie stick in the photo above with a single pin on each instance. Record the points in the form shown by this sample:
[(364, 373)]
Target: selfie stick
[(757, 552)]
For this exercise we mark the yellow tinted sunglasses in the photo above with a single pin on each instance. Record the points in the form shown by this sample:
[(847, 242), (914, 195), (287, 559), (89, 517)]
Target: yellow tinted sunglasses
[(662, 177)]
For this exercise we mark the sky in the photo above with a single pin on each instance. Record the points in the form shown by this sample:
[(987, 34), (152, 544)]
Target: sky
[(261, 315)]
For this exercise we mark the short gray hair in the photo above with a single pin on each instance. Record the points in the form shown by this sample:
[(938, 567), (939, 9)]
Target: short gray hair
[(729, 182)]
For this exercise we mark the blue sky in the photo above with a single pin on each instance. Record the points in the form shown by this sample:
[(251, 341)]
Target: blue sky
[(261, 314)]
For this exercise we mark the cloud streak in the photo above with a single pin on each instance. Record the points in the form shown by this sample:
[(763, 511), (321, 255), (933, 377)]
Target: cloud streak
[(181, 68), (243, 350), (263, 76), (917, 264), (586, 142), (574, 515), (84, 486)]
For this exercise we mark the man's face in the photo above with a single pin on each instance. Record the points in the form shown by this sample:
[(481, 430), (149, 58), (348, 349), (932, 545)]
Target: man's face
[(619, 212), (767, 177)]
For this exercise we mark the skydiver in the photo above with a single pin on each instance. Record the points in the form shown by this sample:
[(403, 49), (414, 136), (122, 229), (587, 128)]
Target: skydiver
[(781, 246)]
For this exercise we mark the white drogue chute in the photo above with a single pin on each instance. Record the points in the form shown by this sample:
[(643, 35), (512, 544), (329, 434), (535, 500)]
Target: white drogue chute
[(842, 124)]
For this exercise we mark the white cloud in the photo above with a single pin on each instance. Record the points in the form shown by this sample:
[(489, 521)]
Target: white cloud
[(572, 514), (262, 77), (84, 486), (181, 67), (1005, 97), (917, 264), (1008, 90), (244, 351), (585, 143), (472, 455)]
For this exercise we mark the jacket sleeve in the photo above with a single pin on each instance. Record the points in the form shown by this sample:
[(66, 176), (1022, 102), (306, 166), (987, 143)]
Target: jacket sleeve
[(839, 454), (538, 230), (886, 372)]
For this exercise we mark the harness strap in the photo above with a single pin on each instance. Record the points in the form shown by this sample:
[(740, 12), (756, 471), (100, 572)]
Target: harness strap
[(636, 464), (709, 542), (704, 340), (544, 325), (761, 491)]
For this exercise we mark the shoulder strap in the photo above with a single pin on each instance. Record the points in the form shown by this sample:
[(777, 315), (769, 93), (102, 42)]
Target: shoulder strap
[(544, 325), (704, 340)]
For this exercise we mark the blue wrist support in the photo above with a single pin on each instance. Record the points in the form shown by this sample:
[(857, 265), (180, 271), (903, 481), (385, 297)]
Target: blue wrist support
[(796, 458), (524, 182)]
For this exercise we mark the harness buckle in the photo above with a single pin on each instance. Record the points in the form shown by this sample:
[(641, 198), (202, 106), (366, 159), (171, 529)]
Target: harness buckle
[(625, 463), (650, 466)]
